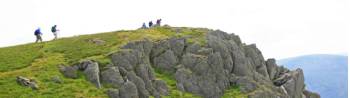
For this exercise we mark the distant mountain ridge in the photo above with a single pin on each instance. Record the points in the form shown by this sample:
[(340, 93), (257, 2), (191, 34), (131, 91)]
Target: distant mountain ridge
[(324, 73)]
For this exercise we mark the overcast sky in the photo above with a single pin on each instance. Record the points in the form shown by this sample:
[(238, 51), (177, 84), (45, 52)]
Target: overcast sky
[(280, 28)]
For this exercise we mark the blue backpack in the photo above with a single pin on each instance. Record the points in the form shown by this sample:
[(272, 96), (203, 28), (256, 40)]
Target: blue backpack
[(37, 32)]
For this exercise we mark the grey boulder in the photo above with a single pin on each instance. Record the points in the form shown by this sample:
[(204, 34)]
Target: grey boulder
[(27, 82), (161, 87), (128, 90), (140, 85), (113, 93), (92, 74), (68, 71), (166, 61), (246, 85), (295, 85), (112, 76)]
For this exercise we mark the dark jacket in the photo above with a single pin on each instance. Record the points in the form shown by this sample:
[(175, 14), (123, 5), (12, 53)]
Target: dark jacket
[(53, 29), (150, 24)]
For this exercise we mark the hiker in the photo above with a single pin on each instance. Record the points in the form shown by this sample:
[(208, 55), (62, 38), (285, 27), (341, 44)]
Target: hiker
[(144, 26), (54, 30), (38, 34), (150, 23), (158, 22)]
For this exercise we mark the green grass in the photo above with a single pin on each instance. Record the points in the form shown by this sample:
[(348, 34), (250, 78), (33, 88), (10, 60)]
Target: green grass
[(234, 92), (39, 61), (12, 58), (42, 70)]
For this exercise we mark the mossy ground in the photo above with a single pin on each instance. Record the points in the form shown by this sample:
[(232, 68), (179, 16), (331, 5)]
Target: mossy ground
[(39, 61), (234, 92)]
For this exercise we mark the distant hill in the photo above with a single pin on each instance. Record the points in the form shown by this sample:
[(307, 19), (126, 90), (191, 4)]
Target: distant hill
[(324, 73)]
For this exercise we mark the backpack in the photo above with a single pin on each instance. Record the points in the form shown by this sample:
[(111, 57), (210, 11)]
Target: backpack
[(37, 32), (158, 21), (53, 29)]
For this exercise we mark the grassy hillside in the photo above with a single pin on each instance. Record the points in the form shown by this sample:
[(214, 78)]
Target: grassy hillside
[(39, 61)]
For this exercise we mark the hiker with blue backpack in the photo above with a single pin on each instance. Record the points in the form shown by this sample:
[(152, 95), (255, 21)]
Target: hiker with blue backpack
[(54, 30), (144, 26), (38, 34)]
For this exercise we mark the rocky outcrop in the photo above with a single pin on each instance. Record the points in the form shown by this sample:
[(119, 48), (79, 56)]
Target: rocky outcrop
[(130, 75), (222, 62), (205, 70), (134, 63), (295, 85)]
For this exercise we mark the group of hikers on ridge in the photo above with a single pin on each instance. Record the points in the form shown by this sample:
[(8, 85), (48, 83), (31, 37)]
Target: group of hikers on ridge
[(38, 33), (150, 24)]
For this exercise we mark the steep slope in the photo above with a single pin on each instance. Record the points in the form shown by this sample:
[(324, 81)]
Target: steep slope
[(326, 74), (156, 62)]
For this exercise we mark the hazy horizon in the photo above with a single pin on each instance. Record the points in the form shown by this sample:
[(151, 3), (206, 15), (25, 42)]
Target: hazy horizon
[(280, 29)]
